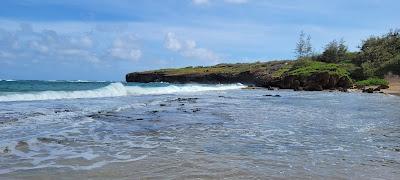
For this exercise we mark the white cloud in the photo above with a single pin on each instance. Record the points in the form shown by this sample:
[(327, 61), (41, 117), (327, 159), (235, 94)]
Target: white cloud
[(125, 48), (172, 43), (26, 44), (188, 48)]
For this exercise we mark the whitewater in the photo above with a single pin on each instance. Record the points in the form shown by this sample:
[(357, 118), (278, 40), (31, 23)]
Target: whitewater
[(114, 130), (115, 89)]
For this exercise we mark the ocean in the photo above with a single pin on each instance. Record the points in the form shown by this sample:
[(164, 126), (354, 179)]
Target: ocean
[(115, 130)]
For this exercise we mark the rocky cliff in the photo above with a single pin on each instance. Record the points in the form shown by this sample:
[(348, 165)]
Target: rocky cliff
[(268, 74)]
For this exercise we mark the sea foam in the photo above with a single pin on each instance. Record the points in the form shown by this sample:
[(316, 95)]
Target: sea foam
[(115, 90)]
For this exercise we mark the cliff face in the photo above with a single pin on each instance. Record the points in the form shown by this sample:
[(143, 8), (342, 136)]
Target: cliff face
[(270, 74), (210, 78), (316, 82), (260, 74)]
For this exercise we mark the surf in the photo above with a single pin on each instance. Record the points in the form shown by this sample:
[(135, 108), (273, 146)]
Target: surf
[(114, 90)]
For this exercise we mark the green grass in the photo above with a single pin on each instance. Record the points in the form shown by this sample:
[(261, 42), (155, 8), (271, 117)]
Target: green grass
[(220, 68), (282, 70), (308, 67), (372, 82)]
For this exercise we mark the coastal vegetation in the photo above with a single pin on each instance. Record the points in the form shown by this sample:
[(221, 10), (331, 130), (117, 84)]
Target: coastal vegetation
[(372, 82), (335, 67)]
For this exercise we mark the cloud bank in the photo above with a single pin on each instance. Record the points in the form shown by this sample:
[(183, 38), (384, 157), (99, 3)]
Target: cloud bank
[(188, 48), (26, 44)]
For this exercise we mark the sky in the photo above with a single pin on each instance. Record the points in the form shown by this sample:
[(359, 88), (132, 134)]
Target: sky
[(105, 39)]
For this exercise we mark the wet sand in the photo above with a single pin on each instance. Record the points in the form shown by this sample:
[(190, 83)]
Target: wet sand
[(394, 86)]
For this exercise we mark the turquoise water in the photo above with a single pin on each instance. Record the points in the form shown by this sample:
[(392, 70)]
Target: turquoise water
[(34, 86), (166, 131), (48, 90)]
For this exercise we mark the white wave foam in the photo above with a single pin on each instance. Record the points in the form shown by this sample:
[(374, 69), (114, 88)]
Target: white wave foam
[(115, 90)]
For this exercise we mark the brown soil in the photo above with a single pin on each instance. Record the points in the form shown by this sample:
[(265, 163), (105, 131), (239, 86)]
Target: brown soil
[(394, 85)]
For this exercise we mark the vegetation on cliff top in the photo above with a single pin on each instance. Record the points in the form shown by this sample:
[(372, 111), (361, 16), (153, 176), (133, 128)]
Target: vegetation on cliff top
[(220, 68), (372, 82), (378, 56), (308, 67)]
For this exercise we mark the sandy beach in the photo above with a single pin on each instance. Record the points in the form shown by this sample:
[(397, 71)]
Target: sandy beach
[(394, 85)]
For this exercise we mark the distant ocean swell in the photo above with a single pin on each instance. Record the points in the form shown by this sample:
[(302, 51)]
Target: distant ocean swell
[(114, 90)]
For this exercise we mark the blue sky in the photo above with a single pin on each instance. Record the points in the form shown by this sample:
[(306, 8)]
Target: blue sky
[(105, 39)]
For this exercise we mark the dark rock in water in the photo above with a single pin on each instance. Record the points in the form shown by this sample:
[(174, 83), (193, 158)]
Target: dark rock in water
[(94, 116), (6, 150), (60, 111), (342, 89), (383, 87), (185, 100), (368, 90), (270, 95), (37, 114), (162, 104), (221, 96), (22, 146), (155, 111), (50, 140), (377, 88), (196, 110), (270, 88), (140, 119)]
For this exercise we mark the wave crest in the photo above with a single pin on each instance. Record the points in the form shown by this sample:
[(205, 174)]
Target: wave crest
[(115, 90)]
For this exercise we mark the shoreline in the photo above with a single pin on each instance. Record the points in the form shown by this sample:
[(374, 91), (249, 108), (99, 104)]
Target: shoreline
[(395, 91), (394, 85)]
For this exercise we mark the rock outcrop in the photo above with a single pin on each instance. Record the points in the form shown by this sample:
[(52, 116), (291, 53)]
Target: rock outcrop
[(315, 82), (211, 78), (263, 75)]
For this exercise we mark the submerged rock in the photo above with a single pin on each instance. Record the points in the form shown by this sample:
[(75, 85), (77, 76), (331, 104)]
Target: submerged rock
[(6, 150), (22, 146), (50, 140), (368, 90), (270, 95), (196, 110)]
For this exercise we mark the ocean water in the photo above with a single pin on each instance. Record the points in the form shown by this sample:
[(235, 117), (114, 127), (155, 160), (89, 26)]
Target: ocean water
[(113, 130)]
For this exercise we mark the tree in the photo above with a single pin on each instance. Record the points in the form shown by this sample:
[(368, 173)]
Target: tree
[(380, 54), (334, 52), (303, 47)]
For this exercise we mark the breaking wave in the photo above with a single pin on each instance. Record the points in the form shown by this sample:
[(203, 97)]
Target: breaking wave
[(115, 90)]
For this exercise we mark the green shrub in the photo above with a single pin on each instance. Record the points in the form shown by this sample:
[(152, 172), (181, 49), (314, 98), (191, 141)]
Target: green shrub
[(379, 53), (307, 68), (372, 82)]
